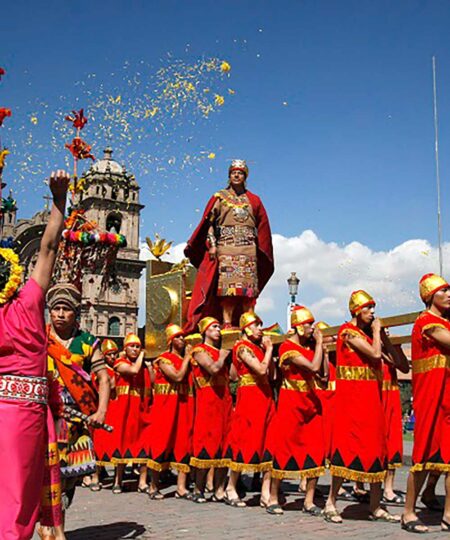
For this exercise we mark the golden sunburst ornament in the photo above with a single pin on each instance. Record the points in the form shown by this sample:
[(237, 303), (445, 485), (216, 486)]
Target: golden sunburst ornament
[(158, 247), (15, 274)]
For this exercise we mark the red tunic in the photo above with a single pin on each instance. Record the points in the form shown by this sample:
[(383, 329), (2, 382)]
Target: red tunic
[(204, 297), (296, 440), (212, 413), (252, 414), (392, 405), (327, 398), (431, 396), (105, 442), (359, 435), (130, 416), (170, 418)]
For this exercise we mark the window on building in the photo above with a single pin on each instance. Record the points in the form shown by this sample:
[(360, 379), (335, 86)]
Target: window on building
[(114, 222), (114, 326)]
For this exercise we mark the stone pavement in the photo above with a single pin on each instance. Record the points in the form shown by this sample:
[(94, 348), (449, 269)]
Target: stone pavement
[(104, 516)]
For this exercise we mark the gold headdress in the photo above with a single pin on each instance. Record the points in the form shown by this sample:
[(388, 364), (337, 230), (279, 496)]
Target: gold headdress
[(430, 284), (205, 323), (322, 325), (173, 331), (301, 315), (247, 319), (132, 339), (109, 346), (358, 300)]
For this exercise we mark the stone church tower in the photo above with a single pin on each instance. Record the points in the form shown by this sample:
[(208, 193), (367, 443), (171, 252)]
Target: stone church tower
[(111, 199)]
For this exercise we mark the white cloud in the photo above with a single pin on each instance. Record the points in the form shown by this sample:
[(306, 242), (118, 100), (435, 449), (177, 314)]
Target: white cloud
[(330, 272)]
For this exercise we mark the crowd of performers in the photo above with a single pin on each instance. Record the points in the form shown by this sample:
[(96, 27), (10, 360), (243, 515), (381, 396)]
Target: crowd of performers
[(296, 412)]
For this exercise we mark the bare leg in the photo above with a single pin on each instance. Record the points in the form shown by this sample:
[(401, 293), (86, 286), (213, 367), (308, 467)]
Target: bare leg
[(389, 492), (330, 505), (232, 484), (265, 488), (413, 487), (118, 477), (446, 517), (220, 477), (143, 477), (429, 493), (200, 481), (375, 497), (154, 483), (181, 483), (210, 480), (274, 490), (59, 533), (302, 485), (311, 484), (228, 303)]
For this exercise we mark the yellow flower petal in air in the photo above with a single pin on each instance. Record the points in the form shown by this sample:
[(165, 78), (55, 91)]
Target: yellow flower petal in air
[(225, 67), (219, 100), (231, 92), (211, 155), (34, 120)]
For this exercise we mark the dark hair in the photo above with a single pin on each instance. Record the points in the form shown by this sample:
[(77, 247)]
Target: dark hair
[(5, 272)]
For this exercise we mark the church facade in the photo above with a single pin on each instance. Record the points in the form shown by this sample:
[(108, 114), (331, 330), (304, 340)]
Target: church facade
[(110, 197)]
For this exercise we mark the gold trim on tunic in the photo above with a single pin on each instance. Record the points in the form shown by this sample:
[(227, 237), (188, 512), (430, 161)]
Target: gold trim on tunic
[(300, 385), (433, 362), (441, 467), (133, 391), (389, 385), (250, 380), (357, 476), (250, 467), (204, 382), (287, 355), (358, 373), (208, 463), (306, 473), (166, 389)]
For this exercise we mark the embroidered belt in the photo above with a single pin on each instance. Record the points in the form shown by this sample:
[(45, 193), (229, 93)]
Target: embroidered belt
[(203, 382), (33, 389), (300, 385), (133, 391), (433, 362), (357, 373), (249, 380), (389, 385), (161, 389)]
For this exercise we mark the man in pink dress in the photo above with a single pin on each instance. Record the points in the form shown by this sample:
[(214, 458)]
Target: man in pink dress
[(23, 384)]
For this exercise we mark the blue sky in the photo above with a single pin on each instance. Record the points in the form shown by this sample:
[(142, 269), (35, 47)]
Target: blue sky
[(332, 105)]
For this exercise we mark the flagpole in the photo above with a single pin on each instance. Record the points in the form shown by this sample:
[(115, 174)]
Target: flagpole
[(436, 156)]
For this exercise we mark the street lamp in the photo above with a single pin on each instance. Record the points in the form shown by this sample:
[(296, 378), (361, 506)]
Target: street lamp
[(293, 283)]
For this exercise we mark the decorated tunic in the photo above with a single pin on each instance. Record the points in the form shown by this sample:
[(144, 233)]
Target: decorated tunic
[(327, 399), (359, 435), (252, 414), (170, 418), (131, 415), (431, 396), (296, 441), (393, 415), (235, 228), (213, 407), (242, 283), (71, 367)]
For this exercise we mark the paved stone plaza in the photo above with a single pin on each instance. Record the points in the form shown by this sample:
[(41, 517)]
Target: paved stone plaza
[(105, 516)]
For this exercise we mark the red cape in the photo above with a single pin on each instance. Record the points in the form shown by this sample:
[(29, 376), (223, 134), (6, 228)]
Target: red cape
[(204, 300)]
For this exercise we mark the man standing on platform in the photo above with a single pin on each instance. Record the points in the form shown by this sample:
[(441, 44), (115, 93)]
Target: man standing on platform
[(232, 249), (430, 356)]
